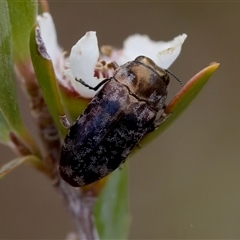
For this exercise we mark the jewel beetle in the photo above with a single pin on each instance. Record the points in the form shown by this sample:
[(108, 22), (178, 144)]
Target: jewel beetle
[(119, 115)]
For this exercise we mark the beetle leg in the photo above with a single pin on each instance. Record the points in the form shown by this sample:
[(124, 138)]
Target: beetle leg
[(138, 145), (159, 121), (64, 121), (92, 88), (151, 128)]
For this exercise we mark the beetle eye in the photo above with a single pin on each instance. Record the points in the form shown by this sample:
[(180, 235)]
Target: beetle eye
[(139, 58)]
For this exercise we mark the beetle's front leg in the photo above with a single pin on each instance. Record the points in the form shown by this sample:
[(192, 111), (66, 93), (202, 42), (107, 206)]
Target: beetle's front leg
[(112, 65), (64, 121), (160, 120)]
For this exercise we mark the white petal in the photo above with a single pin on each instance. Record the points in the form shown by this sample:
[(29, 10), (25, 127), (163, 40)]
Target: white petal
[(49, 36), (170, 52), (162, 53), (83, 59)]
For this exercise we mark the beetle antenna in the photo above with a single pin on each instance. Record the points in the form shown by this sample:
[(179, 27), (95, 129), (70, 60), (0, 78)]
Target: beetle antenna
[(178, 79), (92, 88)]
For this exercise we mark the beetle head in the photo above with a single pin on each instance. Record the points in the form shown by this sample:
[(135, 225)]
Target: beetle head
[(145, 80)]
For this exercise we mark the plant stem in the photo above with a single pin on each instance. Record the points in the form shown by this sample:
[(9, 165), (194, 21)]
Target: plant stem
[(79, 203)]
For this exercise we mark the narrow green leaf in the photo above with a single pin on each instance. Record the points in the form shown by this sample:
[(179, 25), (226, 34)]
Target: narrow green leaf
[(111, 209), (22, 17), (10, 166), (5, 64), (182, 100), (46, 77), (8, 100), (8, 103)]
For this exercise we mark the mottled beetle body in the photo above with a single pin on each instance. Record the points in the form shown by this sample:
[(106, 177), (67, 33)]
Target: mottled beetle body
[(116, 119)]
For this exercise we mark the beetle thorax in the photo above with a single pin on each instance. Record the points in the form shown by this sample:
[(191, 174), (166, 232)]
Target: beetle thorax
[(144, 82)]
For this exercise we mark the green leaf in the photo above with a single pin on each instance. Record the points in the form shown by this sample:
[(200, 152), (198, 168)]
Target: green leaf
[(8, 100), (46, 77), (111, 209), (182, 100), (23, 17), (10, 166)]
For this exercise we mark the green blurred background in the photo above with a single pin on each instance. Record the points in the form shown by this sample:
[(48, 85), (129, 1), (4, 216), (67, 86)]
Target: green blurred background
[(186, 184)]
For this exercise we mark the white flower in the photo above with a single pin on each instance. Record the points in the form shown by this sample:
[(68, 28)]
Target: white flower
[(84, 60), (84, 57)]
